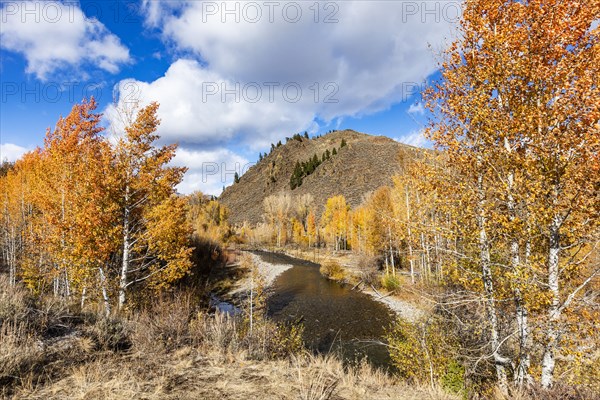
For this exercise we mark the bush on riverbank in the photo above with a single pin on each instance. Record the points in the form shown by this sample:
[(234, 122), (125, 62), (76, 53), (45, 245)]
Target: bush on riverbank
[(368, 269), (390, 282), (424, 352), (333, 270)]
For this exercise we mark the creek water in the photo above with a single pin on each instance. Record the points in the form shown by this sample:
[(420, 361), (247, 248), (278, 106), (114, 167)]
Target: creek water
[(335, 318)]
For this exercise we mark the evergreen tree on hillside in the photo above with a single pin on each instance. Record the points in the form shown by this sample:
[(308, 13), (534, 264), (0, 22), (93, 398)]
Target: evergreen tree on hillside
[(343, 144), (236, 178), (334, 152), (296, 179), (303, 169), (306, 134)]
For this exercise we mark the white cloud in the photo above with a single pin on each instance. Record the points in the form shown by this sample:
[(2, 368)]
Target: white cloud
[(193, 110), (209, 170), (414, 138), (376, 55), (416, 109), (11, 152), (53, 36)]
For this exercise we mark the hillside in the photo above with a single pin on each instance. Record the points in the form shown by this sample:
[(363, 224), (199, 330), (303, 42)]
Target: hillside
[(364, 164)]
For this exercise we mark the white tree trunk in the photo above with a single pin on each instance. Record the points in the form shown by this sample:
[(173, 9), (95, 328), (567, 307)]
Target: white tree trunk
[(552, 333), (489, 294), (124, 269), (522, 370), (83, 297), (409, 239), (104, 292), (391, 251), (123, 281), (252, 299)]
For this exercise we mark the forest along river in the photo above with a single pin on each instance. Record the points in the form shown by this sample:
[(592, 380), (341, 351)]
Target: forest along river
[(334, 317)]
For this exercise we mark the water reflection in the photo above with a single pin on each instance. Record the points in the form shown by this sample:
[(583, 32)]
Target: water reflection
[(334, 317)]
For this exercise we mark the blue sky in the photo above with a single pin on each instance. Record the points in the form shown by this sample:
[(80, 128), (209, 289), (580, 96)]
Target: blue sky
[(230, 77)]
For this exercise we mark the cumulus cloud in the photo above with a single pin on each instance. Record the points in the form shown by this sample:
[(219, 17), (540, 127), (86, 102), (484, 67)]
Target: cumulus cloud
[(414, 138), (55, 36), (349, 59), (209, 170), (416, 109), (11, 152), (200, 106), (249, 73)]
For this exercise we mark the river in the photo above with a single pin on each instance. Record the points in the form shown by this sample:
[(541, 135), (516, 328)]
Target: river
[(335, 318)]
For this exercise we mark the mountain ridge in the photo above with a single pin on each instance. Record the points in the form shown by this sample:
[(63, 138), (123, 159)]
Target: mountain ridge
[(365, 163)]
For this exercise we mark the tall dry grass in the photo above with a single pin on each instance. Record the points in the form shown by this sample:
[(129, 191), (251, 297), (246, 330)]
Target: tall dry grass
[(172, 350), (169, 349)]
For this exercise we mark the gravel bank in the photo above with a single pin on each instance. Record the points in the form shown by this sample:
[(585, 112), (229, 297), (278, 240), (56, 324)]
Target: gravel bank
[(267, 270), (402, 308)]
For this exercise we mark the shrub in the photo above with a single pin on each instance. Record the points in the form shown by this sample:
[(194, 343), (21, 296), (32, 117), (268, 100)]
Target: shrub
[(15, 302), (19, 354), (453, 379), (368, 268), (424, 352), (287, 340), (332, 270), (218, 332), (107, 333), (164, 324), (390, 282)]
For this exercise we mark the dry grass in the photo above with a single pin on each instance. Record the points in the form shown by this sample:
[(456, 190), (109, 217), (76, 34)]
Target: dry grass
[(192, 374), (325, 377), (170, 350)]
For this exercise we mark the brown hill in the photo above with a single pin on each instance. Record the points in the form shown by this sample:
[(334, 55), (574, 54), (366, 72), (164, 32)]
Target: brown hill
[(364, 164)]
